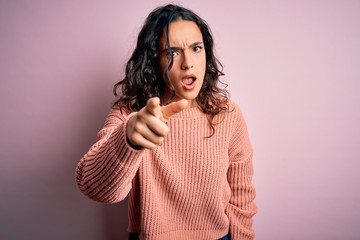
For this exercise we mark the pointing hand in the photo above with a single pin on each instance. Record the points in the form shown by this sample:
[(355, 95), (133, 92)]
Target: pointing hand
[(147, 128)]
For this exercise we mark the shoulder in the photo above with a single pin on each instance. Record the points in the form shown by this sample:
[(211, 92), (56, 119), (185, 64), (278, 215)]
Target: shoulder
[(230, 113), (116, 114), (234, 112), (231, 119), (235, 119), (233, 105)]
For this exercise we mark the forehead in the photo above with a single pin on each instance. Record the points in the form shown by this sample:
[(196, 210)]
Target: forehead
[(182, 33)]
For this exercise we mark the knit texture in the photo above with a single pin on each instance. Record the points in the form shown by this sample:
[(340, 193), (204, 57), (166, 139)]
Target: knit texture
[(190, 187)]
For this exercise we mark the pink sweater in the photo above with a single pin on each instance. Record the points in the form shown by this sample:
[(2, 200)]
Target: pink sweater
[(190, 187)]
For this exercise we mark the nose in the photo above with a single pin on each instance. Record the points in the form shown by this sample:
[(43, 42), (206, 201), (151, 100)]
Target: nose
[(187, 62)]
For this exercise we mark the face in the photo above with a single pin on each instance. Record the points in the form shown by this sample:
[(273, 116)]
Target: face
[(189, 61)]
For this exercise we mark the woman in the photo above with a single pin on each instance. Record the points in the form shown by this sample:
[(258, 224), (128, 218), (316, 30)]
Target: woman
[(173, 142)]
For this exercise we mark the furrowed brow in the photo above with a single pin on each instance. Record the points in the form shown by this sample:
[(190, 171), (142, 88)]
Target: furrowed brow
[(176, 48), (192, 45), (196, 44), (171, 48)]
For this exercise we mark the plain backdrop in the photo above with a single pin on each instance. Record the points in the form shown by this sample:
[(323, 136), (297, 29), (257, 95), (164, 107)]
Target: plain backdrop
[(292, 66)]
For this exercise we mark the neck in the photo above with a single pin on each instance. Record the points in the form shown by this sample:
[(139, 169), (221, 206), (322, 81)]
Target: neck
[(166, 100)]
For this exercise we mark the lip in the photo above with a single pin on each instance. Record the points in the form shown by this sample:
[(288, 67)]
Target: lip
[(185, 79)]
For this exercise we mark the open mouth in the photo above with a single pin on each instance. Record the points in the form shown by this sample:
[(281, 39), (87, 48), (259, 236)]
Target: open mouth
[(188, 82)]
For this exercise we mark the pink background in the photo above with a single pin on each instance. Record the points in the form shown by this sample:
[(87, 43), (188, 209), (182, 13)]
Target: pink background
[(293, 67)]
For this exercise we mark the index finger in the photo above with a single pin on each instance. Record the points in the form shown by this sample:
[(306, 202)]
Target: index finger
[(153, 106), (172, 108)]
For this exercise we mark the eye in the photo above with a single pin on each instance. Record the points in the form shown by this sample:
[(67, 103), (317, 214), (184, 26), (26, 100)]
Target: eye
[(197, 48), (172, 53)]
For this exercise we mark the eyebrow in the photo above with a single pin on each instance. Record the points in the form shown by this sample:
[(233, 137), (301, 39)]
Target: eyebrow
[(178, 48)]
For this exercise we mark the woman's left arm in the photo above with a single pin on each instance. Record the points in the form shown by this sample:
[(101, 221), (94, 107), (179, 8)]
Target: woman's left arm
[(241, 207)]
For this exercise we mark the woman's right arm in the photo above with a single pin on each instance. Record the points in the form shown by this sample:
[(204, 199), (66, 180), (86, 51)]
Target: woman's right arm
[(106, 171)]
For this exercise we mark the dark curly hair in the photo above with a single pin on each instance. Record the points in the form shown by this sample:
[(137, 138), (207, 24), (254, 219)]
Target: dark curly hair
[(144, 79)]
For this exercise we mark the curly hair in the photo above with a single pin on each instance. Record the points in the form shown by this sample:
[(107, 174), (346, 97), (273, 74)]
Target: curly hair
[(144, 79)]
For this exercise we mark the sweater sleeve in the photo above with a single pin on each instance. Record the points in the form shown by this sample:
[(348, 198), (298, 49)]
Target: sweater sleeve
[(241, 207), (106, 171)]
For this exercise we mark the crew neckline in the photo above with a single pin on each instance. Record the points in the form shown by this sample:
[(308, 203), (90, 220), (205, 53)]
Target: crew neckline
[(192, 112)]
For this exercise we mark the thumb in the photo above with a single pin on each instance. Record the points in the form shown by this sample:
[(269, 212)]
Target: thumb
[(172, 108)]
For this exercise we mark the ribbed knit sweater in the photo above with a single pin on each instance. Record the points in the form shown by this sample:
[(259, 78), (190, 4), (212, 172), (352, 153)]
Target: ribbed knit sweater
[(190, 187)]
